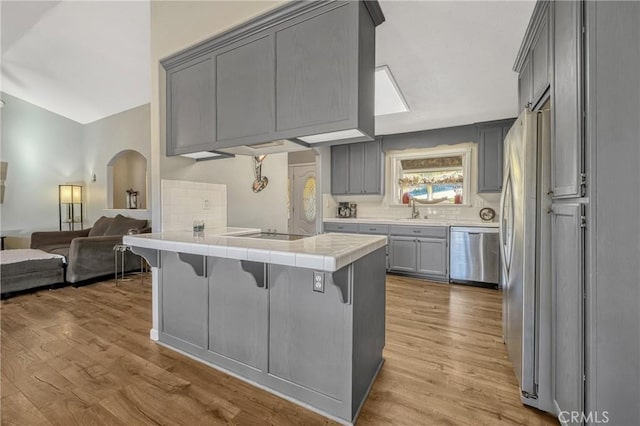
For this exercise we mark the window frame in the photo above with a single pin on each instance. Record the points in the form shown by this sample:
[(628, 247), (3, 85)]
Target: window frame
[(396, 167)]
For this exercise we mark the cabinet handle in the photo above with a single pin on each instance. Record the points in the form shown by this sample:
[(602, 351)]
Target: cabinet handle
[(372, 229), (416, 231)]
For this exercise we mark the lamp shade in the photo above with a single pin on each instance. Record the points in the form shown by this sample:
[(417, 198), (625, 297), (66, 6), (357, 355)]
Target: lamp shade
[(70, 193)]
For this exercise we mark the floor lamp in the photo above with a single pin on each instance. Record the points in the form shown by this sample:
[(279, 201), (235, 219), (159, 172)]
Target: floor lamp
[(68, 197)]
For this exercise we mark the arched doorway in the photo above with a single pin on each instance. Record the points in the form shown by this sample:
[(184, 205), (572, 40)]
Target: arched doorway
[(126, 170)]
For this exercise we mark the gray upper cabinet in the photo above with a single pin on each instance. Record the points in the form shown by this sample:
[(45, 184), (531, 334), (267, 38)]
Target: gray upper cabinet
[(339, 169), (357, 168), (490, 145), (540, 57), (314, 62), (567, 137), (245, 90), (525, 87), (304, 70), (191, 106)]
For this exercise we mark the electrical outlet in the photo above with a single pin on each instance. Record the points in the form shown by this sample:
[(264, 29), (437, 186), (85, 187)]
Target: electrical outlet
[(318, 282), (205, 204)]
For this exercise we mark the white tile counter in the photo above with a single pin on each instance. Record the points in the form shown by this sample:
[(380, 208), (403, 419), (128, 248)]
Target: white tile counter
[(326, 252), (414, 222)]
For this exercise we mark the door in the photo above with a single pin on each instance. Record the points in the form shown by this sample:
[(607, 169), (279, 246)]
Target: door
[(245, 87), (356, 168), (373, 167), (191, 107), (490, 159), (567, 322), (566, 144), (302, 201), (339, 169), (432, 256), (517, 247), (238, 314), (403, 256)]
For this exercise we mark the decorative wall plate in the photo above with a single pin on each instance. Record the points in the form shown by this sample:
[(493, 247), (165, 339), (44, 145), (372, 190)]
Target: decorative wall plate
[(487, 214)]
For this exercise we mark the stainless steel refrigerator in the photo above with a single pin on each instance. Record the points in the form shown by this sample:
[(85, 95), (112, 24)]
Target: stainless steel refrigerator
[(525, 255)]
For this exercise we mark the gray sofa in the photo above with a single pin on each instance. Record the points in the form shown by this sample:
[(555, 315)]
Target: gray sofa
[(89, 252)]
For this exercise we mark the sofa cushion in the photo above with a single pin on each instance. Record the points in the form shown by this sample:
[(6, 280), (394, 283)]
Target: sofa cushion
[(100, 226), (120, 225)]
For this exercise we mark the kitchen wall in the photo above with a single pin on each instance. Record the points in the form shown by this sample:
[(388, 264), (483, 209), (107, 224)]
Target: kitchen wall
[(41, 149), (176, 25), (101, 141), (184, 201)]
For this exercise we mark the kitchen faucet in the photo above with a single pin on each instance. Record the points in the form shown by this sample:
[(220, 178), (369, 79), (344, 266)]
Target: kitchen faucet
[(415, 213)]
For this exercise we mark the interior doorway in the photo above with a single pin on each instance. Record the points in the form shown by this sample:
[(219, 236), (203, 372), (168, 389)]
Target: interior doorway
[(302, 197)]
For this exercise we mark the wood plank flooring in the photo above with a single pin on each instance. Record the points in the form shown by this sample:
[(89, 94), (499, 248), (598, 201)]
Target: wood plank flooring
[(83, 356)]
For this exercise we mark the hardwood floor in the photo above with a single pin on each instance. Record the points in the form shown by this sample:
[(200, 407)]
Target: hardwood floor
[(83, 356)]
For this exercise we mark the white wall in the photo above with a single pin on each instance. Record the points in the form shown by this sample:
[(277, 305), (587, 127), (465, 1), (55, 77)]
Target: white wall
[(176, 25), (102, 140), (41, 149)]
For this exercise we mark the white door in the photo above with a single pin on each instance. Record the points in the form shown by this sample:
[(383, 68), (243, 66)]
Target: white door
[(302, 199)]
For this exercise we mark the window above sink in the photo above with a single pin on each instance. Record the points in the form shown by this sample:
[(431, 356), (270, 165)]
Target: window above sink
[(432, 176)]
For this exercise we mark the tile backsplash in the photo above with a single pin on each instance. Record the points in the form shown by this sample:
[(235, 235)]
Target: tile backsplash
[(184, 201)]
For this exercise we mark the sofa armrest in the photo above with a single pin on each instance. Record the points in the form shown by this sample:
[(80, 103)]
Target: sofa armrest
[(91, 257), (40, 239)]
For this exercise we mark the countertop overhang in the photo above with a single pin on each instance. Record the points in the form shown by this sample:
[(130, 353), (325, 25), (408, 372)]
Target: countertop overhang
[(326, 252), (414, 222)]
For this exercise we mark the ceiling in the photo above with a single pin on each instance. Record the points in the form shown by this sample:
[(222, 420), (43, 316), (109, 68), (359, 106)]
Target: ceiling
[(84, 60), (87, 60)]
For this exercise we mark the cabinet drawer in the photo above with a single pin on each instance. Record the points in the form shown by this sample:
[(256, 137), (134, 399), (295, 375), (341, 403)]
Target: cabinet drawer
[(371, 228), (341, 227), (419, 231)]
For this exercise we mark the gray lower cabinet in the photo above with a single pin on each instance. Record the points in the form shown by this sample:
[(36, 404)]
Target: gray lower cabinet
[(566, 140), (567, 294), (403, 254), (269, 325), (357, 169), (238, 311), (245, 86), (184, 308), (432, 256), (191, 106), (341, 227), (425, 255)]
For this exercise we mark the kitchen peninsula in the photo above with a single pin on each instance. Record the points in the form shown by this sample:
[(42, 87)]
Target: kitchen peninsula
[(302, 318)]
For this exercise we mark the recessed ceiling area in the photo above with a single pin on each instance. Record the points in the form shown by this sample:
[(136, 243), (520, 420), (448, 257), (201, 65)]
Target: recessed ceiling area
[(451, 60), (84, 60)]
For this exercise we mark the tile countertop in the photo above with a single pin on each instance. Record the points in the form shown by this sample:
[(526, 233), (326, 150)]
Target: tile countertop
[(326, 252), (413, 222)]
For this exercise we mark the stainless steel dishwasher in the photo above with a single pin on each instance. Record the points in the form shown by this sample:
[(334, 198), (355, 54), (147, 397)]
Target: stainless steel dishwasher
[(474, 257)]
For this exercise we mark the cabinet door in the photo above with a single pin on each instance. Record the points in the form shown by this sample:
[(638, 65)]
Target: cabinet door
[(490, 159), (525, 85), (567, 322), (566, 141), (315, 63), (245, 87), (372, 168), (356, 168), (339, 169), (308, 331), (191, 107), (540, 58), (183, 301), (432, 256), (238, 316), (403, 255)]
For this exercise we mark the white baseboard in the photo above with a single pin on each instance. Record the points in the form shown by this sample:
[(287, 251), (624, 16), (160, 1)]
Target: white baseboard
[(153, 335)]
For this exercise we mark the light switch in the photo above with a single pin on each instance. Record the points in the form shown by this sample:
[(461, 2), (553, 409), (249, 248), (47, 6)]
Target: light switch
[(318, 282), (205, 204)]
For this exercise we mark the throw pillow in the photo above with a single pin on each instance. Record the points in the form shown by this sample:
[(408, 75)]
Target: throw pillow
[(122, 224), (100, 226)]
